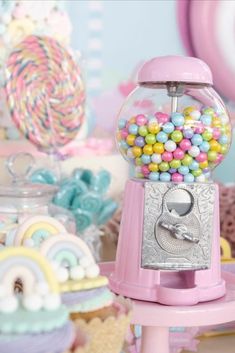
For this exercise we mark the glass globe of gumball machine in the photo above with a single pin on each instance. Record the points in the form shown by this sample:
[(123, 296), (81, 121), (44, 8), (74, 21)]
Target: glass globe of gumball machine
[(174, 128)]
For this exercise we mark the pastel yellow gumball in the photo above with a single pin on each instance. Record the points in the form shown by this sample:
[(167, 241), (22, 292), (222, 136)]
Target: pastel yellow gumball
[(132, 120), (154, 128), (203, 165), (118, 136), (216, 122), (137, 151), (158, 148), (130, 140), (215, 146), (153, 167), (188, 110), (148, 149)]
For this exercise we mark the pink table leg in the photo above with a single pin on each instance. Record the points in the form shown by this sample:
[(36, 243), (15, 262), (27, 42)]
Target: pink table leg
[(155, 339)]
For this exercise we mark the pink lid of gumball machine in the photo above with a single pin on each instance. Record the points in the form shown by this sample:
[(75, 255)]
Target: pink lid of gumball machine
[(174, 126)]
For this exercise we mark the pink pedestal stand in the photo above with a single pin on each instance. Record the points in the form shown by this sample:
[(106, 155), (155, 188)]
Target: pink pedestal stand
[(156, 318)]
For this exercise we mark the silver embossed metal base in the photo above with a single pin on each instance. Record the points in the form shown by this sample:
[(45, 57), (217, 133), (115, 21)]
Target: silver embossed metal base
[(178, 226)]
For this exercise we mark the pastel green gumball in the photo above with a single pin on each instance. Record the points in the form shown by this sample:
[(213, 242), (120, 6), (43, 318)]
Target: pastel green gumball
[(207, 135), (209, 111), (175, 164), (196, 173), (176, 136), (138, 161), (143, 131), (212, 155), (164, 167), (187, 160), (150, 139), (224, 149)]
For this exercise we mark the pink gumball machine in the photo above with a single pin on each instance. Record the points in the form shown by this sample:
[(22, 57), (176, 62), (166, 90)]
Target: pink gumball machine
[(174, 128)]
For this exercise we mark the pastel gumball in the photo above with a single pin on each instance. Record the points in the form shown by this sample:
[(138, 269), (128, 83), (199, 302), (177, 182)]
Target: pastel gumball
[(158, 148), (207, 135), (122, 123), (194, 165), (176, 136), (178, 153), (148, 149), (153, 128), (216, 133), (172, 170), (154, 176), (130, 140), (187, 160), (162, 137), (143, 131), (194, 151), (164, 167), (146, 159), (141, 120), (197, 140), (199, 128), (176, 177), (185, 144), (189, 178), (170, 146), (183, 170), (167, 156), (195, 114), (156, 158), (188, 133), (197, 173), (168, 127), (206, 119), (212, 155), (175, 163), (177, 119), (140, 141), (223, 140), (123, 145), (202, 157), (162, 117), (145, 170), (124, 133), (133, 129), (153, 167), (165, 177), (201, 178), (150, 139), (204, 146)]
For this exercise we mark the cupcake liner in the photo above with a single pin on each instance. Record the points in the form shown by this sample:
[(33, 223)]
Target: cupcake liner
[(106, 336), (56, 341)]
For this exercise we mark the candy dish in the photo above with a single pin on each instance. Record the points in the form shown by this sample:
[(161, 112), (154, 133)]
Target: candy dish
[(101, 316), (38, 303)]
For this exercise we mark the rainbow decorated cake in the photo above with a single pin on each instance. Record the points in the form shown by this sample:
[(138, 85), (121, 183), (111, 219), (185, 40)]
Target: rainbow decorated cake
[(32, 320)]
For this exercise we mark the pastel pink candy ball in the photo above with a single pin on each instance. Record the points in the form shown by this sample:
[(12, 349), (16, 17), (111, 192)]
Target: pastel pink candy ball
[(145, 170), (185, 144), (178, 153), (167, 156), (177, 177), (216, 133), (202, 157), (124, 133), (199, 128), (141, 120), (162, 117), (219, 158)]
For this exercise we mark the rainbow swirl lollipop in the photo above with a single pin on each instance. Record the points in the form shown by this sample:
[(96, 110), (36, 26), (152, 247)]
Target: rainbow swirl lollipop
[(45, 92)]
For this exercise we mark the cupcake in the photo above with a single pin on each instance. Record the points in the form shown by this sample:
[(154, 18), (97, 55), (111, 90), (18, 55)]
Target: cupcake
[(94, 309), (34, 320)]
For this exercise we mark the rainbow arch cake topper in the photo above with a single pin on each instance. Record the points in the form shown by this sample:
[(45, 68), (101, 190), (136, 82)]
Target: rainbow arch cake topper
[(73, 263), (33, 231), (40, 287)]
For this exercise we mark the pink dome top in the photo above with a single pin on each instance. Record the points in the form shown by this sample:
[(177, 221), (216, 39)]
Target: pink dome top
[(175, 68)]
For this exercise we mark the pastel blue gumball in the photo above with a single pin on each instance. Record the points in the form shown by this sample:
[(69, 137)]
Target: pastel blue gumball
[(100, 182), (168, 127), (189, 178), (183, 170), (133, 129), (154, 176), (145, 158), (107, 211), (223, 140), (124, 145), (194, 165), (165, 177), (43, 176), (206, 119), (122, 123), (177, 119), (162, 137), (204, 146), (197, 140), (83, 219)]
